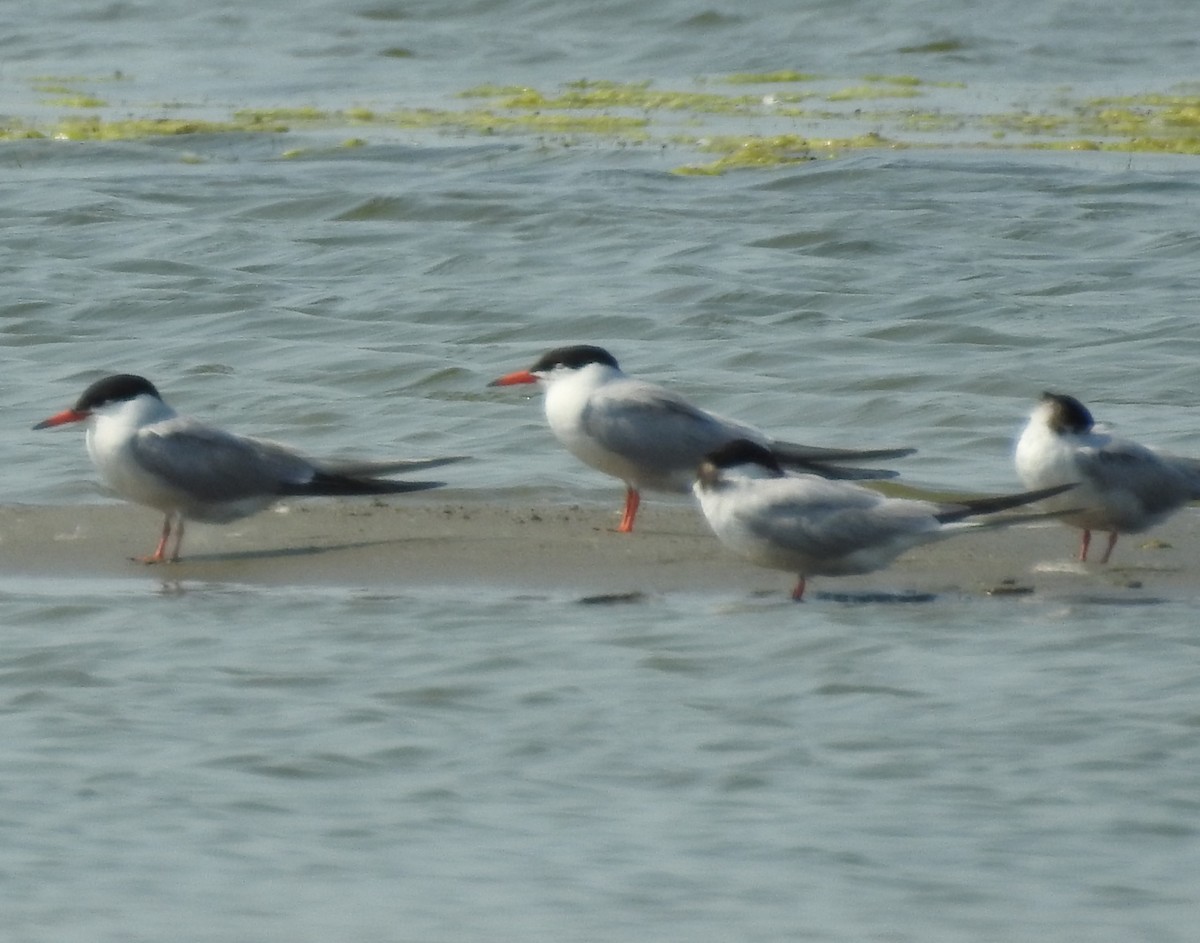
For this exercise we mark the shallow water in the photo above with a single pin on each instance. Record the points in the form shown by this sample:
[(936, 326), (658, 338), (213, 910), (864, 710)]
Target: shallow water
[(392, 767), (215, 761)]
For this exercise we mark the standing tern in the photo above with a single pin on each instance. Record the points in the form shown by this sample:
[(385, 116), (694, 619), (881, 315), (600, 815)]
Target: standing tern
[(1124, 487), (149, 454), (814, 527), (648, 436)]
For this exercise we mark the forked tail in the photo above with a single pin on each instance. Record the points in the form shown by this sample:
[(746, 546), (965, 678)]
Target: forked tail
[(330, 485), (816, 460), (792, 451), (974, 506), (350, 468)]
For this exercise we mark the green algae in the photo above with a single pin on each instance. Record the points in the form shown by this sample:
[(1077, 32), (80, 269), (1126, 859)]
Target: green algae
[(1026, 124), (605, 125), (485, 121), (1184, 116), (871, 92), (905, 80), (1148, 100), (584, 95), (769, 78), (276, 116), (1153, 122), (93, 128), (75, 101), (1158, 145), (740, 153), (19, 132), (489, 121), (776, 126), (66, 94), (927, 122)]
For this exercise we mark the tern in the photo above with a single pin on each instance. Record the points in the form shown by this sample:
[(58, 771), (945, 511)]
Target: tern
[(811, 526), (149, 454), (1124, 487), (649, 437)]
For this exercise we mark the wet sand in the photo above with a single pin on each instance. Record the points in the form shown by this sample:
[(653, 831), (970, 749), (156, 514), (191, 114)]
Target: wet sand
[(461, 542)]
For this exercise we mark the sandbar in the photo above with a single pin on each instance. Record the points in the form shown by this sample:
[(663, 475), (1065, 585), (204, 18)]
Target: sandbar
[(460, 541)]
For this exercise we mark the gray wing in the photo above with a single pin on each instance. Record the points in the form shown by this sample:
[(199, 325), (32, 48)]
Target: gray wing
[(656, 428), (213, 465), (1159, 482), (827, 520), (652, 426)]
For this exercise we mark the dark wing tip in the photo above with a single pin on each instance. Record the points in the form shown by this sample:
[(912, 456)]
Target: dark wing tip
[(323, 484), (973, 507), (818, 453)]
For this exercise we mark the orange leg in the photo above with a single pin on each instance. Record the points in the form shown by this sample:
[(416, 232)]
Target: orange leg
[(1084, 542), (632, 500), (798, 592), (160, 552), (1112, 542)]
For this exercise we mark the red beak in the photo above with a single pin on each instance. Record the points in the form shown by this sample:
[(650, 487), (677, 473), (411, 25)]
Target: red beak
[(61, 419), (512, 379)]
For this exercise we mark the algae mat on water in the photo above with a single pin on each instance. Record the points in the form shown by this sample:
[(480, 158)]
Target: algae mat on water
[(718, 124)]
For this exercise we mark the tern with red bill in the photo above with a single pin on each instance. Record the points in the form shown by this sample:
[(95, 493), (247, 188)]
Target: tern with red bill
[(149, 454), (813, 527), (649, 437)]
